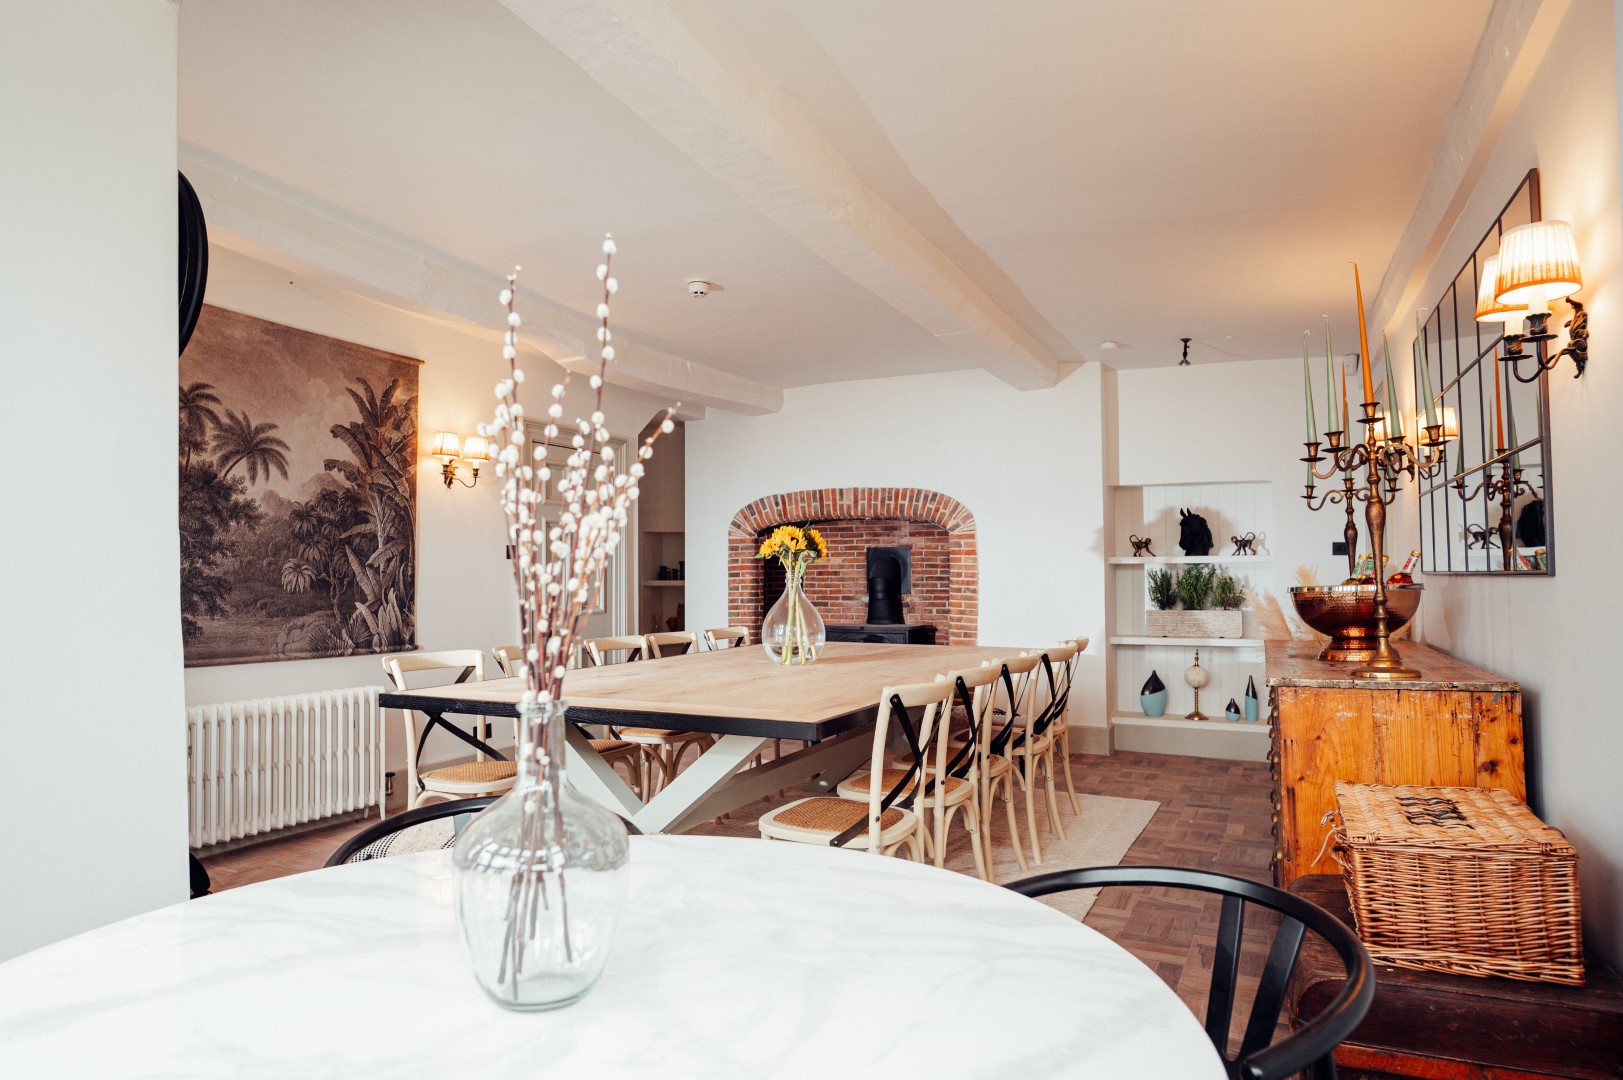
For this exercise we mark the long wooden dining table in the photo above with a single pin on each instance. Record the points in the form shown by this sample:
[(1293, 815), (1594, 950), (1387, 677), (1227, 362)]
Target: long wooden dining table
[(738, 695)]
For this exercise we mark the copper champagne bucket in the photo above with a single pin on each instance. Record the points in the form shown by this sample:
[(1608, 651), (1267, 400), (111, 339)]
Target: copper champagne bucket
[(1347, 614)]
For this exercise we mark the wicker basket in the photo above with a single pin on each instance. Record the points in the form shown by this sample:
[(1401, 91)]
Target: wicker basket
[(1463, 880)]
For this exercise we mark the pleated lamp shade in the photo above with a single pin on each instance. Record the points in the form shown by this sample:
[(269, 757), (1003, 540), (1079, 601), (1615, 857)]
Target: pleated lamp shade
[(446, 445), (1538, 262), (1489, 309)]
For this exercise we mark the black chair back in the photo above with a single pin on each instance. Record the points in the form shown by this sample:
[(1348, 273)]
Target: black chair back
[(405, 820), (409, 818), (1259, 1057)]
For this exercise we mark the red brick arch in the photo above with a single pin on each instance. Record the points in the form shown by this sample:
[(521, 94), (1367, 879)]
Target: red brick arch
[(856, 504)]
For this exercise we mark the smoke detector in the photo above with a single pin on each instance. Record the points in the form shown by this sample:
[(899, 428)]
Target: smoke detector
[(699, 288)]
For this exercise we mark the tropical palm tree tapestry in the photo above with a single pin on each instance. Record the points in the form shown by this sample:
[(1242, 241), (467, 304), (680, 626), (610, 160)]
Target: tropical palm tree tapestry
[(298, 495)]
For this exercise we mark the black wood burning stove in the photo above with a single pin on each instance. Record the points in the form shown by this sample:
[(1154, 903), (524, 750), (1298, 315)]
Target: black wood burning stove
[(889, 576)]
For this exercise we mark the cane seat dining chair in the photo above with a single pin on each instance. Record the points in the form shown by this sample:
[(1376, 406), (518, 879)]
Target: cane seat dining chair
[(1062, 733), (613, 751), (598, 651), (952, 784), (1311, 1047), (1017, 718), (660, 749), (672, 643), (727, 637), (481, 776), (1038, 732), (886, 822), (737, 637), (1004, 714)]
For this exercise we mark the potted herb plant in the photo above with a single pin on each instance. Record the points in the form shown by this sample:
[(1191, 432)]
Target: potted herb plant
[(1210, 602)]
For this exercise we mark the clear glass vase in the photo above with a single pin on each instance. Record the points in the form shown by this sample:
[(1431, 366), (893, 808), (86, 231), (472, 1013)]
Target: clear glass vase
[(792, 632), (540, 878)]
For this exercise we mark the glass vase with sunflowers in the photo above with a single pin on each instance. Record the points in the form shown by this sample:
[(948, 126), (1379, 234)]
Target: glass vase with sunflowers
[(792, 632)]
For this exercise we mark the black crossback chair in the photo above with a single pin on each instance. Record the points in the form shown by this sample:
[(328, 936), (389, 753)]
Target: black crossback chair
[(386, 837), (1312, 1046)]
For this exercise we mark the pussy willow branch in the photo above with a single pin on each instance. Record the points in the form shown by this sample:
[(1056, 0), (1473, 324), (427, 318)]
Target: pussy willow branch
[(558, 571)]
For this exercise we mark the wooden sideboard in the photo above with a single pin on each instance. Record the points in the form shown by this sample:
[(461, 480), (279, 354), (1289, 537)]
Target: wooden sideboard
[(1455, 726)]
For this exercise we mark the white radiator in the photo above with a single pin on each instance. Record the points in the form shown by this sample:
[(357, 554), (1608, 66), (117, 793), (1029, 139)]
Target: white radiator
[(255, 766)]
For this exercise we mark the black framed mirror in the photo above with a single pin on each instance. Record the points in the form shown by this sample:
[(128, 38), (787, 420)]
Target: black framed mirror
[(194, 260), (1488, 511)]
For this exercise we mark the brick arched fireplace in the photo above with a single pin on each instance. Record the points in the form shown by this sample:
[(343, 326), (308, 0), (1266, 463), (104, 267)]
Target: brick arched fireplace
[(928, 519)]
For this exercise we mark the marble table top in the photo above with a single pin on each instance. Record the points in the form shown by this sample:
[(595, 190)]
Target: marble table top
[(736, 958)]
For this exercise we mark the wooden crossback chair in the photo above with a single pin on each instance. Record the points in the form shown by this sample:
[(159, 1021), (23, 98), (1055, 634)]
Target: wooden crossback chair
[(1038, 734), (614, 751), (671, 643), (1013, 712), (661, 748), (887, 821), (478, 777), (596, 652), (1062, 733), (951, 772), (727, 637)]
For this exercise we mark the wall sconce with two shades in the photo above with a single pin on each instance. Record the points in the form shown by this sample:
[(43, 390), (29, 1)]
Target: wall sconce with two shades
[(450, 448), (1537, 263)]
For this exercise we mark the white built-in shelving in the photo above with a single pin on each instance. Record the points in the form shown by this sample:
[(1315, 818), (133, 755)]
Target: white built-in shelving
[(1191, 642), (1231, 509), (1179, 560)]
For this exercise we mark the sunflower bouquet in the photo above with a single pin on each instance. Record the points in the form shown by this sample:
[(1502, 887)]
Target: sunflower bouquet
[(793, 632)]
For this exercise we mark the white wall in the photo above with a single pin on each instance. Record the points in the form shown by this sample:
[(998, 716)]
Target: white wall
[(465, 595), (1223, 423), (93, 798), (1557, 635), (1027, 464)]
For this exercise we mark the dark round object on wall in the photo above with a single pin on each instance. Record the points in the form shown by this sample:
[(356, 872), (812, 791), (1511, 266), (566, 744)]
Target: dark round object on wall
[(194, 260)]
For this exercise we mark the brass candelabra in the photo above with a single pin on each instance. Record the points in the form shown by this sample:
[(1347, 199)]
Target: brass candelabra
[(1506, 488), (1383, 457)]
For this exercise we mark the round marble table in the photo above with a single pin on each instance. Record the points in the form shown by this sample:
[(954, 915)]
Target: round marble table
[(736, 958)]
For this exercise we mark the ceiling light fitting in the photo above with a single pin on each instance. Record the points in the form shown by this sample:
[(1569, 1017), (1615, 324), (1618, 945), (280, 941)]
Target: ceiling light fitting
[(1185, 361)]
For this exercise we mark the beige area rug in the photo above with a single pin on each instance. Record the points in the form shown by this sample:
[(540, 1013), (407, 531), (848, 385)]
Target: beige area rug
[(1100, 835)]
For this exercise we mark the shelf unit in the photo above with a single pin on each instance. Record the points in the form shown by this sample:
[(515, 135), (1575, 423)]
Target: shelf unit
[(661, 599), (1191, 642), (1183, 560), (1231, 509)]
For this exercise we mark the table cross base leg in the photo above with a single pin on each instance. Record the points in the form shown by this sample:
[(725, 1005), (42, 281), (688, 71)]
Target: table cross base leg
[(713, 785)]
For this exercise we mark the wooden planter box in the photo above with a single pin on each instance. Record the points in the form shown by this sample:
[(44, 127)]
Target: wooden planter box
[(1195, 624)]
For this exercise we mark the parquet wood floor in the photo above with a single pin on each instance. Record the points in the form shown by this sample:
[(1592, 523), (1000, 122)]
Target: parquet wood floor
[(1213, 816)]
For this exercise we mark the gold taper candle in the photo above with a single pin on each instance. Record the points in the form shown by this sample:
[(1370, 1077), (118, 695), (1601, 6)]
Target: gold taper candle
[(1364, 363)]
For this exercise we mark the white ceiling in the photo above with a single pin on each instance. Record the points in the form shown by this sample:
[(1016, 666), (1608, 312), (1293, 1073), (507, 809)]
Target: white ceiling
[(1034, 178)]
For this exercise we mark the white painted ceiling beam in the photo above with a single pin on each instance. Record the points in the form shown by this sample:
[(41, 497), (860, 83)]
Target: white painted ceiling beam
[(1517, 34), (678, 72), (250, 214)]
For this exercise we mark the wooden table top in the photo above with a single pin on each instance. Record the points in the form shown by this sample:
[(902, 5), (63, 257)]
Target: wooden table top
[(730, 692), (1297, 663)]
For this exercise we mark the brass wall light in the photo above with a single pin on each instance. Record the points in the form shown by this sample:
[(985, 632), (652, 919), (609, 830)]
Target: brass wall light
[(474, 451), (1537, 263)]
